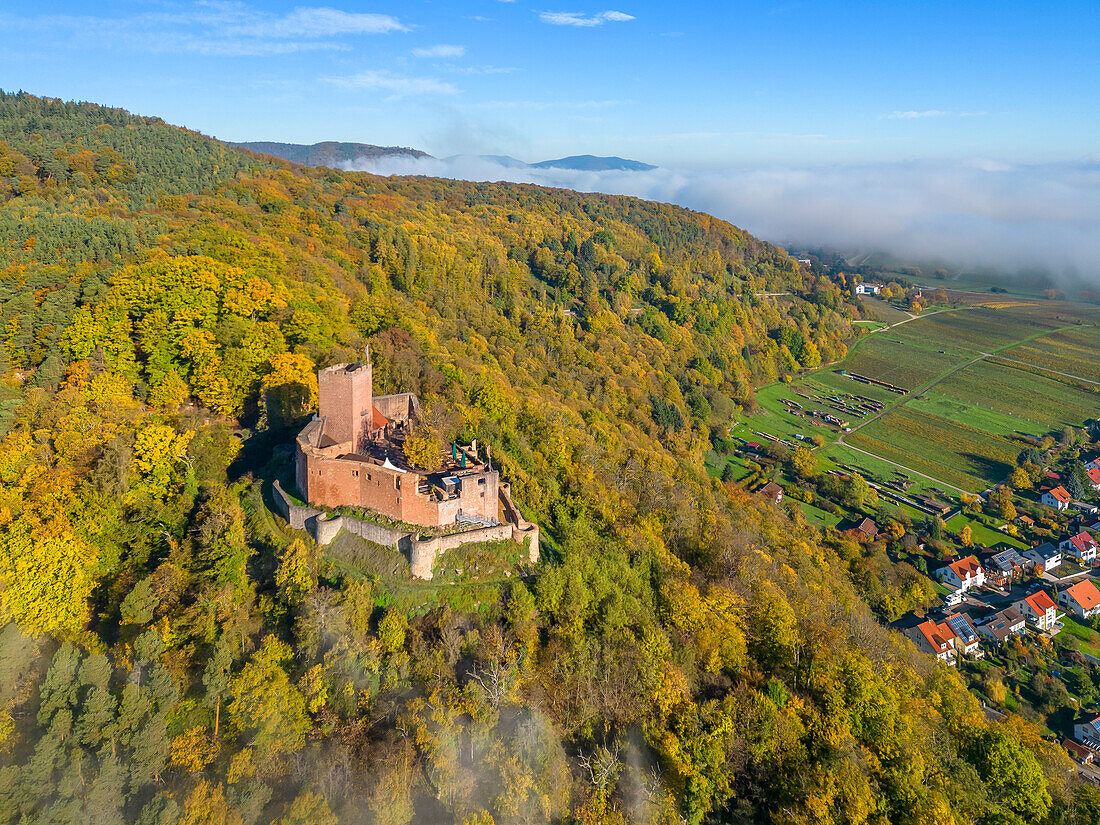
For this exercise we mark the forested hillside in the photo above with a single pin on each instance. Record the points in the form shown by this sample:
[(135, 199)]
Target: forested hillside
[(172, 652)]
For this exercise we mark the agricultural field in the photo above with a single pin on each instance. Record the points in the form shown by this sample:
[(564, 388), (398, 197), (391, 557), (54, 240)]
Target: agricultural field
[(977, 329), (990, 376), (963, 456), (882, 311), (1074, 351), (1039, 402), (907, 362)]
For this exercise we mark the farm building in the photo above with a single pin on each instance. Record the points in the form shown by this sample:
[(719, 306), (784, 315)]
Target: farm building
[(773, 492), (868, 289)]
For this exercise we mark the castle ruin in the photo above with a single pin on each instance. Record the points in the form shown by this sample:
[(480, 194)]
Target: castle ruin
[(352, 454)]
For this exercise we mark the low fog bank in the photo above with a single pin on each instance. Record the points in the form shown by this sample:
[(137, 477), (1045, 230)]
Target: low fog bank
[(968, 214)]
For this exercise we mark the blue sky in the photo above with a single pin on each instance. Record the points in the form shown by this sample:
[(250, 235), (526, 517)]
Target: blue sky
[(690, 84)]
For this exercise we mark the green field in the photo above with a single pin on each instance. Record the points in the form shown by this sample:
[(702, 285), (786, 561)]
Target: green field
[(1039, 402), (961, 455), (966, 428), (981, 534)]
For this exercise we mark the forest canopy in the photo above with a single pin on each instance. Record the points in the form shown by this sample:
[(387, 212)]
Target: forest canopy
[(173, 652)]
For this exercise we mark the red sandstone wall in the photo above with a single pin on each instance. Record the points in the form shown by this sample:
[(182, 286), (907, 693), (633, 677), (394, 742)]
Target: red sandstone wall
[(344, 395), (332, 482)]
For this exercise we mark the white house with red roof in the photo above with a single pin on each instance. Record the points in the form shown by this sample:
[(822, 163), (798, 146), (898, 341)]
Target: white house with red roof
[(1039, 610), (937, 639), (1083, 599), (1057, 497), (962, 575), (1092, 470), (1082, 547)]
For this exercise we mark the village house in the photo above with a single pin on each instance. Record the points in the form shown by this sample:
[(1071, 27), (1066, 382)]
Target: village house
[(773, 492), (1057, 497), (351, 454), (1083, 599), (1082, 753), (868, 528), (1086, 730), (1082, 547), (962, 575), (1025, 521), (868, 289), (1046, 556), (966, 635), (1039, 609), (1001, 568), (937, 639), (1003, 625), (1092, 470)]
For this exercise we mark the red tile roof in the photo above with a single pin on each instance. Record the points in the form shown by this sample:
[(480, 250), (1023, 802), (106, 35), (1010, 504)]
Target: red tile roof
[(1082, 541), (966, 566), (1082, 752), (1094, 474), (1060, 493), (1040, 602), (938, 635), (377, 419), (1085, 594)]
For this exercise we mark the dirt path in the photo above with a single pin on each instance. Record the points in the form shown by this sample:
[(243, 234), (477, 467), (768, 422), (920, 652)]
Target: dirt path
[(1047, 369), (902, 466)]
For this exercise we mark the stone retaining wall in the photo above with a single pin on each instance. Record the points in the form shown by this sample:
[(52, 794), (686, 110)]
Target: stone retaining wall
[(422, 551)]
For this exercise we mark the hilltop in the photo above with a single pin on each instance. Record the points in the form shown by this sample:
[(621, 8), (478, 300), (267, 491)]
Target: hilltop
[(684, 651), (329, 152)]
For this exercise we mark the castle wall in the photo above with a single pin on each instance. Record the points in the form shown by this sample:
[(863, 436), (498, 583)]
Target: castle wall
[(422, 551)]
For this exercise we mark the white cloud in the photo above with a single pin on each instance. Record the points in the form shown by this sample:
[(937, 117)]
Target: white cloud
[(543, 105), (309, 23), (397, 85), (440, 51), (569, 18), (910, 114), (212, 28), (966, 213)]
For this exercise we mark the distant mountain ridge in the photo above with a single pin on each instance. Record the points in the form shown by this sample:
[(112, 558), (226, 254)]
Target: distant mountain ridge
[(334, 153), (592, 163), (329, 152)]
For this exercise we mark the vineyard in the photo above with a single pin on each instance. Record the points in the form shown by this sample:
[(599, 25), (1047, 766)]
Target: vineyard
[(961, 455), (1041, 403), (1074, 351)]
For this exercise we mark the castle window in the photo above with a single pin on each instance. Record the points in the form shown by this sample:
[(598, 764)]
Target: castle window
[(397, 483), (481, 481), (355, 473)]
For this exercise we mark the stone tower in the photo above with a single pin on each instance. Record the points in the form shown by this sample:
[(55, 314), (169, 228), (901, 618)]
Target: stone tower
[(345, 396)]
